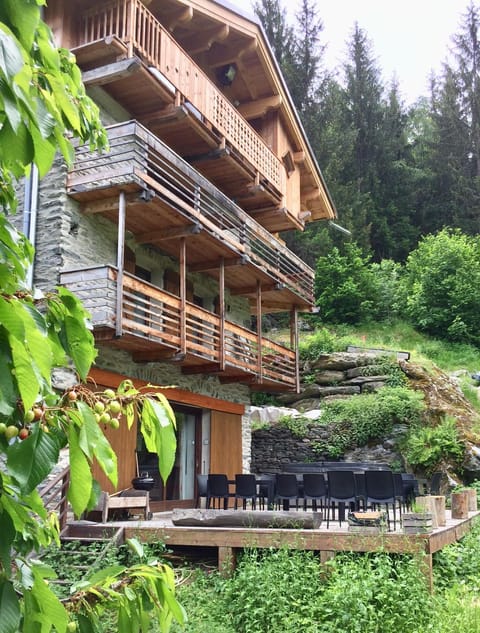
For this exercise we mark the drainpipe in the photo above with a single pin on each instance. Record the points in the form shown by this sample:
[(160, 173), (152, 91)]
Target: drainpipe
[(30, 213)]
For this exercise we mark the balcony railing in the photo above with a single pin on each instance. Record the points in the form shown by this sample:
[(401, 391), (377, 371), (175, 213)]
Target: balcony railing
[(153, 320), (132, 23), (138, 156)]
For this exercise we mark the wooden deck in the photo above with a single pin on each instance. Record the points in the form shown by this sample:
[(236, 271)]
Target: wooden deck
[(336, 538)]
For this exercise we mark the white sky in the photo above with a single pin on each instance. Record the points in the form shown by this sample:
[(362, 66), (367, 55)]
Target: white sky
[(409, 37)]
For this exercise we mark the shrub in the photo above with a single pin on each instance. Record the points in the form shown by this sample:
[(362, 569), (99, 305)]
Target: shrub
[(344, 285), (427, 446), (441, 282), (359, 419), (323, 341)]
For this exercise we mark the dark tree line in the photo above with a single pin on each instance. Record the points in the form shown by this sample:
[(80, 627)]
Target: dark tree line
[(395, 173)]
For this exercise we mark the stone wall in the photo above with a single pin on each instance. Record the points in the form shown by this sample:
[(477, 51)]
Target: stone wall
[(330, 376)]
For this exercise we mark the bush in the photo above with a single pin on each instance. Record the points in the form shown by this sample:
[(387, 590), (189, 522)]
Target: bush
[(441, 286), (345, 286), (428, 446), (359, 419)]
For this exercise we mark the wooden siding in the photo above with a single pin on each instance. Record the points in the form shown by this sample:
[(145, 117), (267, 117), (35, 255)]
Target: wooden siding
[(225, 444)]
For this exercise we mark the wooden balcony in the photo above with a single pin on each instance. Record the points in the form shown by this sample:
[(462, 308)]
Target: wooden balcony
[(154, 325), (124, 48), (168, 201)]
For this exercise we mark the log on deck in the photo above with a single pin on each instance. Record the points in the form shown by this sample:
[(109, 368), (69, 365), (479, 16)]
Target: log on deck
[(246, 519)]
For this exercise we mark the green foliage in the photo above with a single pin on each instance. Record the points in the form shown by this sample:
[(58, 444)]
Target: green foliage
[(42, 97), (427, 446), (282, 591), (297, 425), (441, 281), (322, 341), (275, 591), (43, 105), (459, 563), (365, 417), (344, 285)]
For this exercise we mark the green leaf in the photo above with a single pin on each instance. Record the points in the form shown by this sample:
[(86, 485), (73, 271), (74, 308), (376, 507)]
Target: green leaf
[(9, 319), (109, 573), (31, 460), (26, 378), (98, 445), (80, 474), (8, 393), (7, 530), (24, 21), (160, 433), (9, 608), (11, 60), (136, 547), (45, 607), (79, 346)]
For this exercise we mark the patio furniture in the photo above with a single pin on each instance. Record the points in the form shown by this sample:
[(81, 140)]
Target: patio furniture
[(286, 490), (217, 491), (245, 489), (380, 490), (314, 489), (342, 489)]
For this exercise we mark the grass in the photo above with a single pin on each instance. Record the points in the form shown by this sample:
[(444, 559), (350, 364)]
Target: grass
[(393, 335)]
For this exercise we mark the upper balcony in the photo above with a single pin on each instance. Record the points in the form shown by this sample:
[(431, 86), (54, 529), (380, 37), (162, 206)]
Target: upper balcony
[(169, 203), (155, 325), (124, 48)]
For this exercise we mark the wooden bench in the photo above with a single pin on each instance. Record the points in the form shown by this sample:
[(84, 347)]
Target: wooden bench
[(135, 501)]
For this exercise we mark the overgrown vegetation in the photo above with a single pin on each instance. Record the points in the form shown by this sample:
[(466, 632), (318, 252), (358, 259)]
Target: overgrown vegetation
[(357, 420), (279, 591), (426, 447)]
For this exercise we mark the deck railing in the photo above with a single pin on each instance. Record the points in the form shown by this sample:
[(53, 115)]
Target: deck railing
[(54, 495), (155, 316), (137, 153), (137, 27)]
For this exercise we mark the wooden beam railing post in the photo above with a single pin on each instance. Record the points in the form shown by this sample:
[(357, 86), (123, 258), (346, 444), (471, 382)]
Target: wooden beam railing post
[(183, 295), (294, 345), (120, 262), (131, 26), (221, 301), (259, 331)]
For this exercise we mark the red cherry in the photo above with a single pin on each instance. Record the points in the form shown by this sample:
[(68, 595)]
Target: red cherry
[(23, 433)]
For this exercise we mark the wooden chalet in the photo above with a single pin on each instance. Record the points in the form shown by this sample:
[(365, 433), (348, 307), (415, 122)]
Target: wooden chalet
[(174, 233)]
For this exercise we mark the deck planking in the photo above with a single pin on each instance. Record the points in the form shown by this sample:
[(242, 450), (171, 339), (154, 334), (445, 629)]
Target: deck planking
[(229, 541)]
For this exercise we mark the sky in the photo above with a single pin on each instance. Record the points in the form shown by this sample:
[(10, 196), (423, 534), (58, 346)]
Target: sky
[(409, 38)]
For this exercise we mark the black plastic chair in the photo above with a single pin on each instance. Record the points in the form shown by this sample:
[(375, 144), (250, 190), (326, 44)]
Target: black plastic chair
[(342, 489), (433, 487), (266, 490), (217, 490), (380, 490), (202, 487), (245, 489), (361, 492), (314, 489), (286, 490)]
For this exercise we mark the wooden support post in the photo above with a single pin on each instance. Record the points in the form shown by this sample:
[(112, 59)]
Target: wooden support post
[(426, 565), (122, 206), (294, 345), (227, 560), (259, 332), (221, 301), (183, 295)]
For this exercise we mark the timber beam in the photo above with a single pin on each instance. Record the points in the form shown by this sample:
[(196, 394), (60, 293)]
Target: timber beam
[(203, 40), (164, 355), (258, 108), (169, 234), (216, 264), (111, 72), (111, 204)]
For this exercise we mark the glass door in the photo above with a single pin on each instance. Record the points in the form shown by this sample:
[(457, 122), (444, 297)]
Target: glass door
[(179, 489)]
